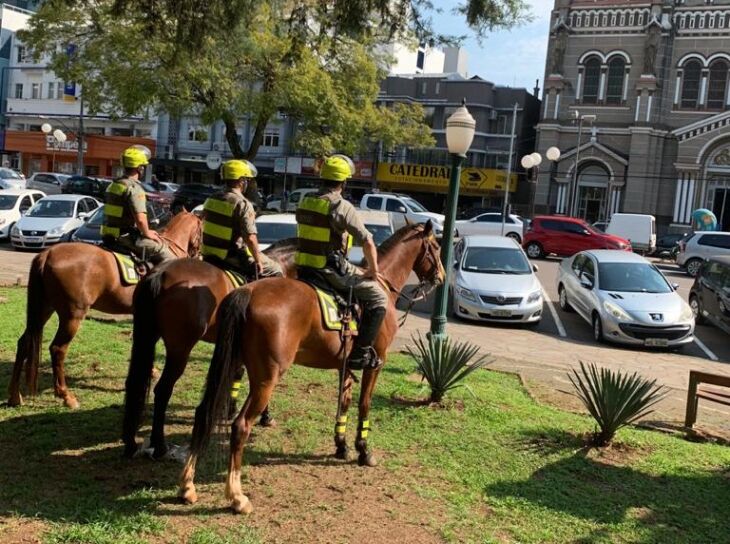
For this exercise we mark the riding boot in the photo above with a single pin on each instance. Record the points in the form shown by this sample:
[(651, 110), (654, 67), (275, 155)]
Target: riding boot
[(363, 354)]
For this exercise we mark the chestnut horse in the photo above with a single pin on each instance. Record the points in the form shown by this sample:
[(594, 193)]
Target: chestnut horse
[(270, 325), (70, 279), (176, 302)]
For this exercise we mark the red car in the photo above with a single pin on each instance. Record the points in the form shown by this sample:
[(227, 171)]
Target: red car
[(566, 236)]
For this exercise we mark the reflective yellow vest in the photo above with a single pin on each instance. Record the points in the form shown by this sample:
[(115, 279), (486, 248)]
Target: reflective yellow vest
[(218, 235), (316, 238), (115, 219)]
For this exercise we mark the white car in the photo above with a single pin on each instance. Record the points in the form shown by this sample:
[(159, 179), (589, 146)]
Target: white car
[(168, 187), (625, 298), (491, 224), (50, 219), (48, 182), (10, 179), (494, 281), (295, 197), (405, 205), (13, 204)]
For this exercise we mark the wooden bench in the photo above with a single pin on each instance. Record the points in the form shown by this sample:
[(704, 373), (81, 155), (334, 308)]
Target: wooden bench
[(695, 393)]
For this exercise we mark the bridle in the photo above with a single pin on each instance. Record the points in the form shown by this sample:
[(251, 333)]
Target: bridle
[(193, 246)]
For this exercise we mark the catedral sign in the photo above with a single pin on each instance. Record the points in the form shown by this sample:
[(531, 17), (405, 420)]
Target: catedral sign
[(424, 177)]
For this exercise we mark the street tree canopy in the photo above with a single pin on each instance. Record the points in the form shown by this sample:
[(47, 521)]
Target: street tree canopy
[(317, 62)]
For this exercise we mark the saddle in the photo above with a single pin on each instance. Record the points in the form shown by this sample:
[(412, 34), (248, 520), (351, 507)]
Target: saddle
[(237, 278), (333, 306), (131, 267)]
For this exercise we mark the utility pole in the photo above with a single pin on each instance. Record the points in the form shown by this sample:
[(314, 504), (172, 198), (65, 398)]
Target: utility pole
[(80, 139), (509, 166)]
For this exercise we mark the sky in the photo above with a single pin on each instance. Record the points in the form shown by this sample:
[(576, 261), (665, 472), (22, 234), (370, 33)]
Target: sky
[(509, 57)]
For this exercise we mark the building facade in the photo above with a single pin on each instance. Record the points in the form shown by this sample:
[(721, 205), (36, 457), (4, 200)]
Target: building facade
[(655, 76)]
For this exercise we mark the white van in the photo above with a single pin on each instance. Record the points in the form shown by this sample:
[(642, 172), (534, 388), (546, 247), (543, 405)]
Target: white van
[(638, 228), (403, 204)]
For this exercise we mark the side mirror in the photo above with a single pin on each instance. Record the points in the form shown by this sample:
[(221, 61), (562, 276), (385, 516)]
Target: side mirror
[(586, 232), (586, 283), (83, 215), (535, 268), (402, 209)]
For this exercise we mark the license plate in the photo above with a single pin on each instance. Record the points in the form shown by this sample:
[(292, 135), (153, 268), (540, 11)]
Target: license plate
[(501, 313), (656, 342), (33, 239)]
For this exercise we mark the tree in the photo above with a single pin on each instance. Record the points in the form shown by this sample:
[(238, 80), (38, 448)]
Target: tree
[(315, 61)]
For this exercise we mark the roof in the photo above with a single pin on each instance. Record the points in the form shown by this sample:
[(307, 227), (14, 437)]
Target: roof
[(18, 192), (72, 198), (558, 218), (371, 217), (276, 218), (483, 240), (616, 256)]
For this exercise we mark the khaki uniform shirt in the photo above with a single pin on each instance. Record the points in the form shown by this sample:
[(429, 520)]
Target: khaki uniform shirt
[(344, 218), (244, 216)]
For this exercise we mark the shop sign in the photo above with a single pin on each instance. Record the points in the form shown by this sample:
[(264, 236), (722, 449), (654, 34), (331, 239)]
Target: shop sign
[(69, 145), (288, 165), (436, 178)]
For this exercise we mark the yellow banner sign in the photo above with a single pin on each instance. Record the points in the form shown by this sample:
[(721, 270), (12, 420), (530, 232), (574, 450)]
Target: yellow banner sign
[(426, 177)]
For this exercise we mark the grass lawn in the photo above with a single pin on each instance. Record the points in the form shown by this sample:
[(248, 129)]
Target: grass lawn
[(493, 467)]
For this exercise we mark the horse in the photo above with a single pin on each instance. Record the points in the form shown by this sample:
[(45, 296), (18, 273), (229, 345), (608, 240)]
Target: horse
[(270, 325), (70, 279), (176, 302)]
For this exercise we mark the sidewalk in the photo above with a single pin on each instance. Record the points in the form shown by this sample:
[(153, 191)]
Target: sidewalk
[(544, 361)]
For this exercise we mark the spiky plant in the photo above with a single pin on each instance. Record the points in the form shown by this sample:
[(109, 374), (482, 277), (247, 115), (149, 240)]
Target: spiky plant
[(444, 363), (613, 398)]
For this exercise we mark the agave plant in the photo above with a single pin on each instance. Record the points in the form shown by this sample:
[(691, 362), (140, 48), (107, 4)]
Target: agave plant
[(614, 399), (444, 363)]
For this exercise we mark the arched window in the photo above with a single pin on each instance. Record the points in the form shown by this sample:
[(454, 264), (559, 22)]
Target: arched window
[(717, 88), (691, 84), (615, 80), (592, 81)]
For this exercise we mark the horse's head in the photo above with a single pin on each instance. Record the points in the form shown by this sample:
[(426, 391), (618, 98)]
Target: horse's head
[(185, 233), (428, 265)]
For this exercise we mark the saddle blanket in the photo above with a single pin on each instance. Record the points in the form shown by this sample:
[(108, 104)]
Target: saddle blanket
[(331, 312), (127, 269), (237, 279)]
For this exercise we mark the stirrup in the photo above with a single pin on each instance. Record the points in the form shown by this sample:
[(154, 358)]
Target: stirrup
[(368, 360)]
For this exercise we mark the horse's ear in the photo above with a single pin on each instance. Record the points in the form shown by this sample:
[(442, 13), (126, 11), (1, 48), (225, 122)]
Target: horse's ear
[(428, 228)]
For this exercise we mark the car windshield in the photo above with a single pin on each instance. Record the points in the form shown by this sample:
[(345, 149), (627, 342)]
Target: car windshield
[(7, 202), (496, 260), (413, 205), (52, 208), (270, 233), (147, 187), (631, 278), (97, 219), (9, 174)]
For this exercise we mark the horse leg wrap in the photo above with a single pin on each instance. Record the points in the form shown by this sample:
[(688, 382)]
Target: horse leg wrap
[(365, 458), (340, 438)]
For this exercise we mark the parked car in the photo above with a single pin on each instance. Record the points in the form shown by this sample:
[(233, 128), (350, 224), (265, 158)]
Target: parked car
[(14, 203), (472, 212), (10, 179), (637, 228), (192, 195), (404, 204), (295, 197), (491, 223), (565, 236), (381, 225), (158, 197), (625, 298), (600, 225), (709, 297), (86, 185), (90, 230), (699, 246), (667, 246), (50, 219), (494, 281), (168, 187), (48, 182)]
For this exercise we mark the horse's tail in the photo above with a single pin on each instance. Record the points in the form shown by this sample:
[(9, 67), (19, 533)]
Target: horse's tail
[(29, 344), (144, 340), (223, 367)]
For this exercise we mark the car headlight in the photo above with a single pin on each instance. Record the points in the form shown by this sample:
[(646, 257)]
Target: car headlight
[(686, 314), (56, 231), (616, 311), (15, 231), (465, 293), (534, 297)]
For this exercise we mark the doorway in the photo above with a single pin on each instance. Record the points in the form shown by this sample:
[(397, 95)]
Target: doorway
[(721, 208), (592, 203)]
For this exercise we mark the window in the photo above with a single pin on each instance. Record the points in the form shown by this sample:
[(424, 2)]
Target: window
[(592, 81), (550, 224), (121, 131), (393, 205), (92, 204), (714, 273), (25, 204), (714, 240), (428, 113), (717, 88), (489, 218), (21, 54), (59, 90), (574, 228), (448, 112), (420, 59), (374, 202), (271, 137), (51, 90), (615, 85), (196, 133), (424, 87), (437, 88), (578, 264), (18, 90), (691, 84), (35, 91), (589, 271)]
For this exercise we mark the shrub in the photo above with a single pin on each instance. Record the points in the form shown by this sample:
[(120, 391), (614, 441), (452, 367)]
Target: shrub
[(614, 399), (444, 363)]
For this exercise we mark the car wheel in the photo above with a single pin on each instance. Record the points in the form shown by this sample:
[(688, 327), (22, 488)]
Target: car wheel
[(534, 250), (693, 267), (597, 328), (694, 303), (563, 300), (515, 237)]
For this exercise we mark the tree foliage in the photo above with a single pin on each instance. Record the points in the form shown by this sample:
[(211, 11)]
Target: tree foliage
[(315, 61)]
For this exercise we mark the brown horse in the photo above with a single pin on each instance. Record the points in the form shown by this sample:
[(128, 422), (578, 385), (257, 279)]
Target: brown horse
[(70, 279), (176, 302), (272, 324)]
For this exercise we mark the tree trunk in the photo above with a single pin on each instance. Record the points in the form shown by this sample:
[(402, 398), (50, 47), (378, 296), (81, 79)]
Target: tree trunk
[(258, 137), (232, 136)]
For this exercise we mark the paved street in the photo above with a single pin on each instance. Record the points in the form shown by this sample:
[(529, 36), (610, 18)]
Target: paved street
[(14, 265)]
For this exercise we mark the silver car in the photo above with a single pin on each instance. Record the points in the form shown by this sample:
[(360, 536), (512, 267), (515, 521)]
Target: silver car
[(10, 179), (625, 298), (48, 182), (495, 282), (697, 247)]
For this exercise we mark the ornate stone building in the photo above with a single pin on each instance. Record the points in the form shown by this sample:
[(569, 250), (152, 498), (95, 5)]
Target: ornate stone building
[(655, 75)]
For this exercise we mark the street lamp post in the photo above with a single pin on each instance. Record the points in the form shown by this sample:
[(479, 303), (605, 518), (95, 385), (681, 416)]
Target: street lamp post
[(58, 138), (573, 194), (459, 135), (533, 161)]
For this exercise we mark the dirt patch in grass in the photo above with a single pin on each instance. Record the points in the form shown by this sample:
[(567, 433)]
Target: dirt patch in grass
[(618, 453), (20, 531), (546, 394)]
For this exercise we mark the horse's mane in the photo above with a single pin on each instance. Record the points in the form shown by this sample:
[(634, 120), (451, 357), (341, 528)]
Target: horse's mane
[(397, 237)]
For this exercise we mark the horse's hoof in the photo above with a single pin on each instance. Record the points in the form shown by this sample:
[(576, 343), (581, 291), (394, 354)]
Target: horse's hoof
[(241, 505), (71, 402), (342, 453), (367, 460), (188, 495), (267, 422), (15, 400)]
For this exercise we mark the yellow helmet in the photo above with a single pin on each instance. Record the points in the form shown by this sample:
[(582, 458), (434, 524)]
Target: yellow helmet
[(237, 169), (134, 157), (337, 168)]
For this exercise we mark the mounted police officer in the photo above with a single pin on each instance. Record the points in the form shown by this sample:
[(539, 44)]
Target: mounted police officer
[(230, 217), (326, 224), (125, 212)]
